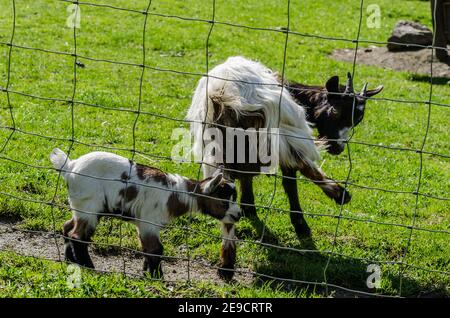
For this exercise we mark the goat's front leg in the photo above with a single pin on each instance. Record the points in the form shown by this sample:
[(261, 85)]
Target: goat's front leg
[(77, 233), (228, 253), (153, 249), (331, 188), (247, 197), (290, 187)]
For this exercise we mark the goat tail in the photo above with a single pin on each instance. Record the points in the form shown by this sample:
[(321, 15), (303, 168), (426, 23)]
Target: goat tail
[(60, 161)]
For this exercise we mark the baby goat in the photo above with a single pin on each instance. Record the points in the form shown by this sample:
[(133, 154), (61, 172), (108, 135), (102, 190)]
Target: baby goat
[(101, 183), (231, 97)]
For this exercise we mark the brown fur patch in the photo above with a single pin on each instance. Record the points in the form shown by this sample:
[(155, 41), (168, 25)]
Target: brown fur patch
[(227, 117), (130, 193), (175, 206), (81, 230), (68, 226), (144, 173), (124, 176), (216, 204), (228, 255)]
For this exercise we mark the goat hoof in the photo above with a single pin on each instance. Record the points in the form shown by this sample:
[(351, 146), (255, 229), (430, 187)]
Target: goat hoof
[(226, 273), (156, 274), (344, 197), (153, 272)]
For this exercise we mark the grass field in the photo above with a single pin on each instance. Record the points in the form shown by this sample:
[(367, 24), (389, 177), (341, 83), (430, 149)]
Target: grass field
[(177, 44)]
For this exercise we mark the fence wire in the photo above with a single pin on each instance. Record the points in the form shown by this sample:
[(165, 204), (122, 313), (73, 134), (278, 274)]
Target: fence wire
[(188, 229)]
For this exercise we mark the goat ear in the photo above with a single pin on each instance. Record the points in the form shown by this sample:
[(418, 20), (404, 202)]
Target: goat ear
[(375, 91), (332, 84), (212, 184)]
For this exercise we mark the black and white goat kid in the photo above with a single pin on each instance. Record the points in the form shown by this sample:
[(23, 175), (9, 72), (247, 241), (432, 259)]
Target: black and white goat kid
[(100, 183), (233, 98)]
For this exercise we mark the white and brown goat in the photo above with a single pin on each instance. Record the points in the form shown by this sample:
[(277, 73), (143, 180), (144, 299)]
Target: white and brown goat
[(101, 183), (241, 93)]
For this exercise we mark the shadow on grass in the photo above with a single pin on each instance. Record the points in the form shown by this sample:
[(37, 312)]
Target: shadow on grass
[(308, 265), (427, 79)]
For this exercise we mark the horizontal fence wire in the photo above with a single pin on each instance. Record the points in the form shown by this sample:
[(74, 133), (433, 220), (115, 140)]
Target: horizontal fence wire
[(189, 230)]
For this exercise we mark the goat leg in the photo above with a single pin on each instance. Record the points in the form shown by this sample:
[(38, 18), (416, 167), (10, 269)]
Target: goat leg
[(247, 197), (76, 247), (297, 219), (331, 188), (228, 254), (153, 249), (68, 250)]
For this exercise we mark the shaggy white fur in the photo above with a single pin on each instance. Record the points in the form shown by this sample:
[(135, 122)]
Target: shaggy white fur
[(235, 83)]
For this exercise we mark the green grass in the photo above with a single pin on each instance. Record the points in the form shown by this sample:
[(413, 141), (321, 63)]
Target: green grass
[(180, 45)]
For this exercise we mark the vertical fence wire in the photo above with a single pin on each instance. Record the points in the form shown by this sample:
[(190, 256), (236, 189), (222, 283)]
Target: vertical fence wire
[(346, 182), (8, 78), (283, 69), (421, 159), (133, 132), (72, 128), (207, 43)]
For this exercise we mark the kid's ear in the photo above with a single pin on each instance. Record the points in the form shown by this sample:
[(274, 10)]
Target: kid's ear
[(332, 84), (212, 184), (221, 169)]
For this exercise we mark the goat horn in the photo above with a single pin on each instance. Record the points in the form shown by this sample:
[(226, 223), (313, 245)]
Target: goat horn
[(364, 90), (349, 85)]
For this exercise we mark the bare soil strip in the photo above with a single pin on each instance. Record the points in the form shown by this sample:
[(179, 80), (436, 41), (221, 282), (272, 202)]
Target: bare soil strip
[(415, 62), (42, 245)]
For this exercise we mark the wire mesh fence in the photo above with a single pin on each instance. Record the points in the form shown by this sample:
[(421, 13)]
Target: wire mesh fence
[(14, 131)]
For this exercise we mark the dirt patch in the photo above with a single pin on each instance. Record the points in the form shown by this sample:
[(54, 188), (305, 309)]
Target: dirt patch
[(45, 246), (415, 62)]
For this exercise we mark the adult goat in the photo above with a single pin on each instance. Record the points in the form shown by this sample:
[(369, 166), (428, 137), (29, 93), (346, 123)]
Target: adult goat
[(244, 94)]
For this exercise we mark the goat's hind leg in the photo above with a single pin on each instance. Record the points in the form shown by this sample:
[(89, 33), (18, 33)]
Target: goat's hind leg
[(153, 250), (68, 248), (331, 188), (78, 232), (247, 196)]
